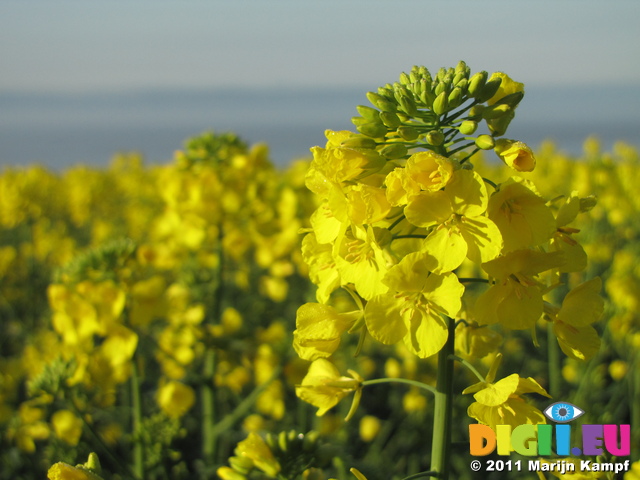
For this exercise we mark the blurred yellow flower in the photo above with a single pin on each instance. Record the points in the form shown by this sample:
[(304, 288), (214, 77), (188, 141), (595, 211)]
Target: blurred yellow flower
[(67, 426), (175, 398)]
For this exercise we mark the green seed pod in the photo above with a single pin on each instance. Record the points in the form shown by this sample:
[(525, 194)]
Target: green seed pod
[(477, 82), (441, 103), (468, 127), (381, 102), (369, 113), (390, 119), (408, 133), (455, 98), (393, 151), (359, 141), (496, 111), (489, 90), (485, 142), (435, 138), (374, 130)]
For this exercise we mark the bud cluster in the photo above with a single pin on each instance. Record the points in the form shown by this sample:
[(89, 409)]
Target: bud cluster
[(435, 112)]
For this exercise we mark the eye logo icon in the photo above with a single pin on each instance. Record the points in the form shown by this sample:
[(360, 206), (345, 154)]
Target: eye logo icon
[(562, 412)]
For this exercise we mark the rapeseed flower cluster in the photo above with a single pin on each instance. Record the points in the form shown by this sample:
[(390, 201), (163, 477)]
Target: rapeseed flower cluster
[(148, 311)]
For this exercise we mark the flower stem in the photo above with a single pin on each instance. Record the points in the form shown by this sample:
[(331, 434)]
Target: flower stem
[(441, 437), (406, 381), (470, 367)]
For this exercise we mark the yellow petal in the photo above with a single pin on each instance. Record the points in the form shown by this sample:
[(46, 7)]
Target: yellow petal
[(583, 305)]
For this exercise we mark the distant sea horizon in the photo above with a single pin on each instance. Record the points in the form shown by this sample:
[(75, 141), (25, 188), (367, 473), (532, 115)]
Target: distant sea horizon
[(59, 130)]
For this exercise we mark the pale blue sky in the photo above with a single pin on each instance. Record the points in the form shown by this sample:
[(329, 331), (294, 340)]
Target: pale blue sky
[(114, 45)]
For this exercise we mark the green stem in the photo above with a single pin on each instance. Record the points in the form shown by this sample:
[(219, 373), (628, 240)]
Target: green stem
[(136, 404), (243, 408), (553, 363), (469, 367), (441, 437), (406, 381)]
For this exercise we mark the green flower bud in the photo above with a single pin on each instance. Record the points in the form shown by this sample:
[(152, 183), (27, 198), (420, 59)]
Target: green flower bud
[(468, 127), (455, 98), (372, 129), (427, 96), (475, 113), (435, 138), (513, 99), (283, 441), (485, 142), (390, 119), (489, 90), (381, 102), (495, 111), (359, 141), (463, 85), (462, 67), (408, 133), (477, 82), (498, 126), (441, 103), (369, 113), (408, 105), (359, 121), (393, 151), (405, 79), (439, 88)]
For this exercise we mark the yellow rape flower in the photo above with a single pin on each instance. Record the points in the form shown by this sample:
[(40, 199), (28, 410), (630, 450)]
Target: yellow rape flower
[(324, 387), (515, 154), (582, 306), (507, 87), (515, 297), (462, 229), (88, 471), (255, 449), (500, 403), (521, 215), (562, 239), (413, 307), (361, 259), (322, 266), (318, 330)]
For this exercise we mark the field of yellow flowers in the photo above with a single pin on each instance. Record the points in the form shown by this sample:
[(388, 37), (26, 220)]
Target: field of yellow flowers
[(346, 317)]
